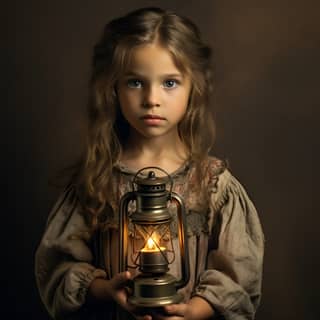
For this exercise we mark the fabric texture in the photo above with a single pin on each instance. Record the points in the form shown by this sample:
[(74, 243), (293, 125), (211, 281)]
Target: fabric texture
[(225, 244)]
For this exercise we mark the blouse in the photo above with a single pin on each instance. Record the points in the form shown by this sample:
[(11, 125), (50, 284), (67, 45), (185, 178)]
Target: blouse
[(225, 244)]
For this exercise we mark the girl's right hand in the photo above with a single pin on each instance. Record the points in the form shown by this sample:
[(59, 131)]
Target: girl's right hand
[(115, 289)]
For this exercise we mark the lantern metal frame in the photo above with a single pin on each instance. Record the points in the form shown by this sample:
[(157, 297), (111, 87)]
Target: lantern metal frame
[(154, 286)]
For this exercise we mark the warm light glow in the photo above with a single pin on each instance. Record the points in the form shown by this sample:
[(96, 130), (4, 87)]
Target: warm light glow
[(152, 245)]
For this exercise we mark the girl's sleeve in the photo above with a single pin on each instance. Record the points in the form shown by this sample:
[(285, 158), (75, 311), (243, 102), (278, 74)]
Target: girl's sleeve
[(63, 259), (231, 283)]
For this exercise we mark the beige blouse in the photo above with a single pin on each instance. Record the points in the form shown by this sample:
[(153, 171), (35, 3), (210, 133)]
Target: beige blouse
[(225, 242)]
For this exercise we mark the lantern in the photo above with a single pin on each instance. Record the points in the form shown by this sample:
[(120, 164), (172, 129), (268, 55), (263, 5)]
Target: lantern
[(152, 249)]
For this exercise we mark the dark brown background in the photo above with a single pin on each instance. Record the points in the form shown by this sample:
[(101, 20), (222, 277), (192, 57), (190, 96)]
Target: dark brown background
[(267, 96)]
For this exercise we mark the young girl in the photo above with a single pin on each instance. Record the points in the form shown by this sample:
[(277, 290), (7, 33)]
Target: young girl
[(149, 106)]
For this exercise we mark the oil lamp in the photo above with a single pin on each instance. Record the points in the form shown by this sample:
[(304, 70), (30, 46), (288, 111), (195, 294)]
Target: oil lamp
[(151, 244)]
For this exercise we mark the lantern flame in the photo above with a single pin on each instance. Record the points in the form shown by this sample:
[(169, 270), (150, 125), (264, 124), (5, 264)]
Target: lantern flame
[(151, 244)]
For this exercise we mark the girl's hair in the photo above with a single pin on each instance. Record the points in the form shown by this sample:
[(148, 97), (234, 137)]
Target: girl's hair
[(108, 130)]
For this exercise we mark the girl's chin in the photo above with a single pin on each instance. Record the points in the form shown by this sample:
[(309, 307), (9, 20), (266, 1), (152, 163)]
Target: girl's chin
[(157, 133)]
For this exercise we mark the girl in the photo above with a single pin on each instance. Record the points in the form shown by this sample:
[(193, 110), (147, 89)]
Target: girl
[(149, 106)]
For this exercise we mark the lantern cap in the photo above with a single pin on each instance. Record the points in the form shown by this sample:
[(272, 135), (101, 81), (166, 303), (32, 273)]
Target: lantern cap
[(146, 180), (151, 179)]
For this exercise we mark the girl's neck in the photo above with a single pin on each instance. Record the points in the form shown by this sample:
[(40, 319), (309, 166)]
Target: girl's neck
[(167, 153)]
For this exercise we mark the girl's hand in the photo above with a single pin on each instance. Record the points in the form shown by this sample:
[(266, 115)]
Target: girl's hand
[(115, 289), (173, 312), (196, 309)]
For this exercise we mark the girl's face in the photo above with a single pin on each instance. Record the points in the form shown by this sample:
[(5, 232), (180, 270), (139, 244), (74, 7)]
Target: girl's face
[(153, 94)]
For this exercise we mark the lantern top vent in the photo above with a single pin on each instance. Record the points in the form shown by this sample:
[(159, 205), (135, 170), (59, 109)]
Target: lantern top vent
[(149, 182)]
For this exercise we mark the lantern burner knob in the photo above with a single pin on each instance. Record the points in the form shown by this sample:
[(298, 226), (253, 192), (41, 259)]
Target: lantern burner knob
[(151, 175)]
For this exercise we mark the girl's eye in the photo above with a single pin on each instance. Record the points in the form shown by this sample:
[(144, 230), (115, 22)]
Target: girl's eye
[(134, 83), (170, 83)]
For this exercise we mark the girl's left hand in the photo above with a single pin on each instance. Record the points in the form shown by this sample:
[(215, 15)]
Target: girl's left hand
[(195, 309), (174, 312)]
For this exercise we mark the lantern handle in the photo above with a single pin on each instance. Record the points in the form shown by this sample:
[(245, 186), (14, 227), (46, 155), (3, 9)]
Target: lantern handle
[(123, 229), (183, 241), (151, 167)]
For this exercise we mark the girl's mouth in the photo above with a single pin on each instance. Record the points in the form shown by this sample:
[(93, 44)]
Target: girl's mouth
[(152, 120)]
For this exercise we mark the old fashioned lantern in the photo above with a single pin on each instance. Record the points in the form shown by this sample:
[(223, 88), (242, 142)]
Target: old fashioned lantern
[(150, 244)]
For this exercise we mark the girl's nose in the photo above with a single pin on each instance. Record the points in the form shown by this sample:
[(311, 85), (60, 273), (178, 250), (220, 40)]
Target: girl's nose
[(151, 97)]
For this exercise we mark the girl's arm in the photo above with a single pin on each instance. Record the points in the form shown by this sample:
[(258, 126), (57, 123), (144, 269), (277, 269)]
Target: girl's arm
[(231, 282), (67, 280), (63, 266)]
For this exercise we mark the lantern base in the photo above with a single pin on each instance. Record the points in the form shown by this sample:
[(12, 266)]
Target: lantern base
[(154, 291)]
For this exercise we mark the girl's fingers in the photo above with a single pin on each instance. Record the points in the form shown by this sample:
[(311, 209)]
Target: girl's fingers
[(120, 279), (167, 317), (176, 309), (144, 317)]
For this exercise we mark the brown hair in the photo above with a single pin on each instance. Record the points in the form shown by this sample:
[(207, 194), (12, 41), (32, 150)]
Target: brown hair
[(108, 130)]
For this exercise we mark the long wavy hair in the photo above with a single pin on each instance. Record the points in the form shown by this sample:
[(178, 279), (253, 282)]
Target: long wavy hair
[(108, 129)]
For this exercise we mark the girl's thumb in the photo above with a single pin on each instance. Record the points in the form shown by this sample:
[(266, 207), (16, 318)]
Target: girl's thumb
[(120, 279)]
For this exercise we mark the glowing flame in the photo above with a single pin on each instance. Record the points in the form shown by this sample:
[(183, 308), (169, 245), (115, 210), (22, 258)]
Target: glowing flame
[(151, 244)]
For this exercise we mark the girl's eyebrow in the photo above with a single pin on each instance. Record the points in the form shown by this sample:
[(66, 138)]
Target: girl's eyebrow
[(173, 75), (165, 75)]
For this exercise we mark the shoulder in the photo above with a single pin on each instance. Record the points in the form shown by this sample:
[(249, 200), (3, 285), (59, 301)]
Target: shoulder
[(222, 184), (214, 165), (230, 202), (67, 230), (214, 171), (219, 174), (67, 217), (67, 200)]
